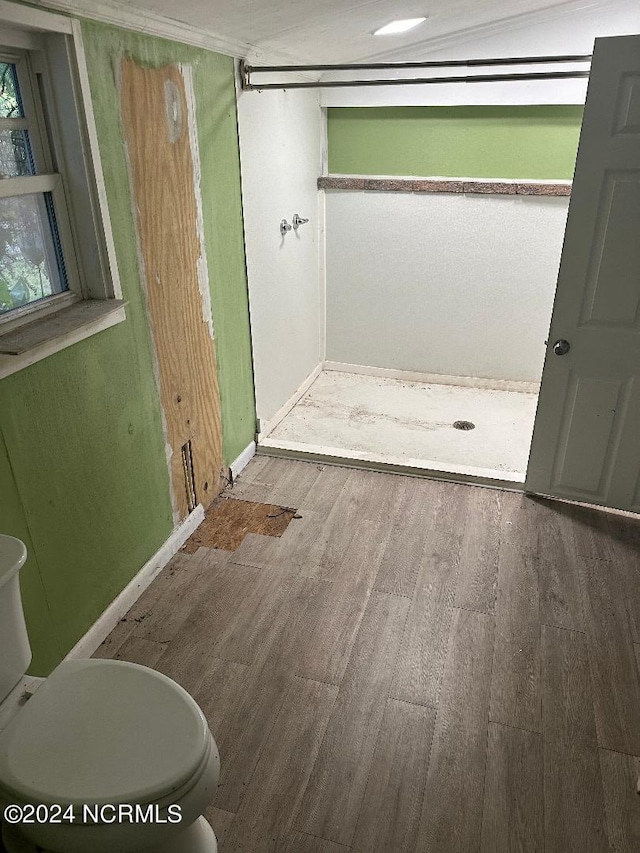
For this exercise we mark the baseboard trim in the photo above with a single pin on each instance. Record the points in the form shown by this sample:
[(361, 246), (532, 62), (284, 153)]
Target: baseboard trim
[(284, 410), (243, 459), (435, 378), (107, 621)]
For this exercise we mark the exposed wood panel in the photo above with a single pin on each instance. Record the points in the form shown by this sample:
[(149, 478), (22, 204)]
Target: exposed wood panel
[(391, 806), (513, 817), (452, 809), (515, 678), (332, 800), (155, 116), (227, 522), (265, 817), (573, 797), (620, 775), (478, 567)]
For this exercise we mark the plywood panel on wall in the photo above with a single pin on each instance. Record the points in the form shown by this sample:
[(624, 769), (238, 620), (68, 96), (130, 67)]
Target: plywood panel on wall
[(164, 170)]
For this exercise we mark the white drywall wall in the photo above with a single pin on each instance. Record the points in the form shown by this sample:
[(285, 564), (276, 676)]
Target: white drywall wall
[(442, 283), (280, 152), (568, 29)]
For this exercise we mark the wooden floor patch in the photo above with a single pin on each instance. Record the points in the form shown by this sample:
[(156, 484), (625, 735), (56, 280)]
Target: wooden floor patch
[(227, 522)]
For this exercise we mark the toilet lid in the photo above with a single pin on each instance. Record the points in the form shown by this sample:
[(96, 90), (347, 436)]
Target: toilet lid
[(101, 731)]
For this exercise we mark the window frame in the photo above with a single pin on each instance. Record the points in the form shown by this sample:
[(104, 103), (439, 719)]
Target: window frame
[(64, 137), (47, 180)]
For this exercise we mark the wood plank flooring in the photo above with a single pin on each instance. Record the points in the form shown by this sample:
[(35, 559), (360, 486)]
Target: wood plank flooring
[(413, 667)]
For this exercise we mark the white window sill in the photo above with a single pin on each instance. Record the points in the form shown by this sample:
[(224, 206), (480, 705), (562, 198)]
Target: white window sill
[(43, 337)]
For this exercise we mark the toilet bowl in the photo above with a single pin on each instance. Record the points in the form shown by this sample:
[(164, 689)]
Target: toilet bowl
[(107, 757)]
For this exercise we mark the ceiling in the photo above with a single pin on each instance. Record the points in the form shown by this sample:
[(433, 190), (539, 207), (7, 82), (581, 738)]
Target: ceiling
[(337, 31)]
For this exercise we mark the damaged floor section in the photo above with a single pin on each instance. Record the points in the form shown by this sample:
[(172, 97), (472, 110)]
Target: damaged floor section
[(397, 422), (227, 522)]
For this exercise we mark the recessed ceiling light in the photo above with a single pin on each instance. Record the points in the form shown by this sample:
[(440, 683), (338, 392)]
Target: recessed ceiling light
[(399, 26)]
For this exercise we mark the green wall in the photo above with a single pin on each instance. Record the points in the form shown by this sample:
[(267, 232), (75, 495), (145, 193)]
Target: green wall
[(538, 142), (83, 472)]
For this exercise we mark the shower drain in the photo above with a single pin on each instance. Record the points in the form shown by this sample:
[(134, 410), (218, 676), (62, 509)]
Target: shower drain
[(465, 425)]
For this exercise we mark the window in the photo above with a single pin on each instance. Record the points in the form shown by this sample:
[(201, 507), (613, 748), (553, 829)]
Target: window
[(58, 276), (32, 250)]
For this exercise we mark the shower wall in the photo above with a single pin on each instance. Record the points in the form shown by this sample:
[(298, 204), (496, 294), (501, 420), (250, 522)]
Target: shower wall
[(459, 284), (280, 150)]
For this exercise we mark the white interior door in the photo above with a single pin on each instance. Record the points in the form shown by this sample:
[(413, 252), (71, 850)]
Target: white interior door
[(586, 439)]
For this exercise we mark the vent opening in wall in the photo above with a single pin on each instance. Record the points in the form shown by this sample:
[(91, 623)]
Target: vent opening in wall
[(189, 479), (464, 425)]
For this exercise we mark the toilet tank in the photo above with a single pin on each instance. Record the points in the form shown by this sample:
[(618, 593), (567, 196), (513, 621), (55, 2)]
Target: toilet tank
[(15, 652)]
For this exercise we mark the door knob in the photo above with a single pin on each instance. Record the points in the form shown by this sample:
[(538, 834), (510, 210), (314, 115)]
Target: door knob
[(561, 347)]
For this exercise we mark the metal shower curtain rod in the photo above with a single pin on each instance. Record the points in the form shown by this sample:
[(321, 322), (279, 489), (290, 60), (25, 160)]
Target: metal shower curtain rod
[(247, 70)]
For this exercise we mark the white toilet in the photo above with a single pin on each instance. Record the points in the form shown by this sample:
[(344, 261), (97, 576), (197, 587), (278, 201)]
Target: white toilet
[(122, 745)]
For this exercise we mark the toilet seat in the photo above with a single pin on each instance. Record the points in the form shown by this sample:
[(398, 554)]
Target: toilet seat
[(104, 732)]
